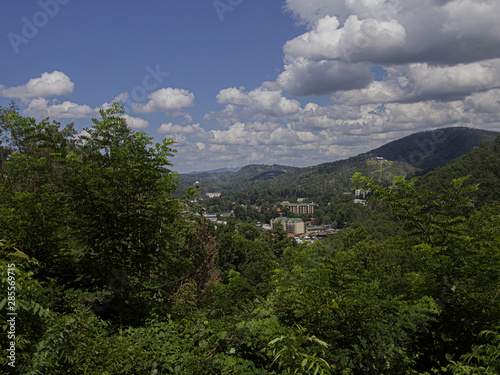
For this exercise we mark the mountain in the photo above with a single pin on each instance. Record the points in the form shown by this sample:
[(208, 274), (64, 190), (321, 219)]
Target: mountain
[(335, 177), (220, 170), (432, 149), (244, 177), (415, 154), (481, 164)]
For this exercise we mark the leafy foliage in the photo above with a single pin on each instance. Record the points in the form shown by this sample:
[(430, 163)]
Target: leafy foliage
[(114, 275)]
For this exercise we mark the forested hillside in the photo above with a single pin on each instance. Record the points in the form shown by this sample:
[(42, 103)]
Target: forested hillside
[(105, 272), (412, 155), (431, 149), (227, 181), (482, 165)]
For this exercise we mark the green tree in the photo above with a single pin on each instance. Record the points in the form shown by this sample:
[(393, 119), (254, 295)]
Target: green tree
[(120, 192), (455, 256)]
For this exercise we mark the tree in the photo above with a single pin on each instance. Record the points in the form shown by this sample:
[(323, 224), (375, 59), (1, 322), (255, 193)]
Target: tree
[(451, 258), (124, 214)]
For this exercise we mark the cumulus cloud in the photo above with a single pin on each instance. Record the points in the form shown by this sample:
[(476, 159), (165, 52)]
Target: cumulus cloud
[(397, 119), (47, 85), (169, 128), (166, 100), (439, 34), (328, 41), (304, 77), (442, 30), (260, 101), (283, 144), (422, 81), (242, 134), (484, 102), (135, 122), (227, 116), (41, 108)]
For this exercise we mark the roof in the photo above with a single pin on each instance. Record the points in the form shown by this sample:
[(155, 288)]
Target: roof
[(292, 219)]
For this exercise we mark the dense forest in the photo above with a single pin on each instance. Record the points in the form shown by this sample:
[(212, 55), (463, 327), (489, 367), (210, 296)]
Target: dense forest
[(431, 149), (106, 271)]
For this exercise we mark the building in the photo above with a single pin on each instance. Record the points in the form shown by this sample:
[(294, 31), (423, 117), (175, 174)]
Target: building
[(361, 201), (211, 217), (313, 229), (302, 208), (290, 225), (362, 194), (213, 195)]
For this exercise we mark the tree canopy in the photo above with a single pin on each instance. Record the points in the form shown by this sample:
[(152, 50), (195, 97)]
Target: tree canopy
[(108, 272)]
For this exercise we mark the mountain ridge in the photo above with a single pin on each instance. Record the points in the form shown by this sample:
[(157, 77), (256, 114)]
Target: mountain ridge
[(434, 148), (414, 154)]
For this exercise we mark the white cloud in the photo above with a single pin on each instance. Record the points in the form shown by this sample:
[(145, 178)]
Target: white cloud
[(263, 126), (328, 41), (135, 122), (441, 34), (41, 108), (425, 82), (484, 103), (245, 137), (261, 101), (236, 134), (166, 100), (47, 85), (227, 116), (169, 128)]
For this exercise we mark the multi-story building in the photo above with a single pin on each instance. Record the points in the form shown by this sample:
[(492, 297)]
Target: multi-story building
[(302, 208), (362, 194), (290, 225)]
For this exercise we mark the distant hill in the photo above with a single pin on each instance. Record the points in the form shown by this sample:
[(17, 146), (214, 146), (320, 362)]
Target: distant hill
[(412, 155), (483, 167), (220, 170), (432, 149), (247, 176), (335, 177), (253, 174)]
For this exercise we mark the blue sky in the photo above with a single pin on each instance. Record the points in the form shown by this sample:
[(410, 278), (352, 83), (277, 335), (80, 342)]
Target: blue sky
[(295, 82)]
